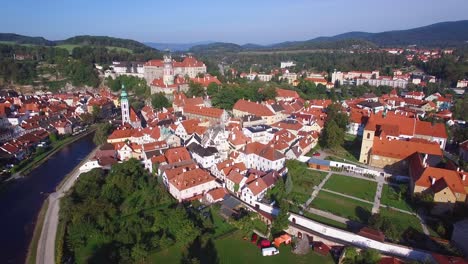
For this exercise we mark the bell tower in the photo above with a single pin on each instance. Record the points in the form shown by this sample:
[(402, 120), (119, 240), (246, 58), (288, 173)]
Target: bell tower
[(168, 71), (124, 106)]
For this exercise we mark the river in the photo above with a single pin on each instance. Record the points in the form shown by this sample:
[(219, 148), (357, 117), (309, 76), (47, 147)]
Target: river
[(21, 200)]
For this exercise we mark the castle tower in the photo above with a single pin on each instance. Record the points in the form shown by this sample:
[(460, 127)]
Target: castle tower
[(124, 106), (366, 145), (168, 71)]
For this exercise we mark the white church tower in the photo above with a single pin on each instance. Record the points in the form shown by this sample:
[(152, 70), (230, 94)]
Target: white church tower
[(168, 71), (124, 106)]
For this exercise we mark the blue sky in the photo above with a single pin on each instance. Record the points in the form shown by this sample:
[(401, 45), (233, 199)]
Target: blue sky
[(238, 21)]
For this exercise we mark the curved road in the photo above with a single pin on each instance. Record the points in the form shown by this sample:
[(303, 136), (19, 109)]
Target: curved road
[(46, 247)]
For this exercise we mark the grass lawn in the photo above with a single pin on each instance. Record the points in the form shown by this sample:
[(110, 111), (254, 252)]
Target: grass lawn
[(233, 249), (359, 188), (350, 149), (325, 220), (401, 220), (342, 206), (304, 183), (390, 198)]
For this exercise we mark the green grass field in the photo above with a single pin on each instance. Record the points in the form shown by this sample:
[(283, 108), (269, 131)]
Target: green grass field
[(359, 188), (401, 220), (391, 198), (325, 220), (14, 43), (233, 249), (305, 182), (342, 206), (70, 48)]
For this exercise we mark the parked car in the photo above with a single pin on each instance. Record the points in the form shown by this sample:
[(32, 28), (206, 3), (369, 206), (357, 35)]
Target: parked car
[(270, 251), (316, 154)]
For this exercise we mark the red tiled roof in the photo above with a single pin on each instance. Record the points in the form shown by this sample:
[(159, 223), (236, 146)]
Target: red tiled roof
[(217, 194), (177, 154), (402, 149), (191, 178), (286, 93), (252, 108), (206, 80), (262, 150), (204, 111)]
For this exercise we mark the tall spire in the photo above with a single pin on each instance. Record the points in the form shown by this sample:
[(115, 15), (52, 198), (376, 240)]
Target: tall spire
[(123, 94)]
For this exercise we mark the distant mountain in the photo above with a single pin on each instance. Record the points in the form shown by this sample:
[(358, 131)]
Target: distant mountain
[(217, 47), (439, 34), (176, 46), (436, 35), (20, 39), (99, 41)]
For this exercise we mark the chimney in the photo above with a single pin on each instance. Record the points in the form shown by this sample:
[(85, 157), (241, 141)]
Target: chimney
[(425, 160), (463, 177), (256, 183), (433, 179)]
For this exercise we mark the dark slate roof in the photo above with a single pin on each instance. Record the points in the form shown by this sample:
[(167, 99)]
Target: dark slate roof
[(370, 104), (277, 107), (250, 118), (201, 151), (259, 128)]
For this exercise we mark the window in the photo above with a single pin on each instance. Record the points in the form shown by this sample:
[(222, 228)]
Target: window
[(368, 135)]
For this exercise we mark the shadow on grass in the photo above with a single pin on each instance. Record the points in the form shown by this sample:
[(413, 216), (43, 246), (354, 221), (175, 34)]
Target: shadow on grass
[(201, 252), (363, 214)]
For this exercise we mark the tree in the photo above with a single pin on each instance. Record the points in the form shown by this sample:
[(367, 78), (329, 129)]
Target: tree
[(159, 101), (96, 112), (370, 256), (281, 221), (195, 90), (103, 130), (332, 135), (53, 137), (289, 185)]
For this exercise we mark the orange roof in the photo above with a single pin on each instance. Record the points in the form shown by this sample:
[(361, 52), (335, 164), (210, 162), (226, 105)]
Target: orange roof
[(286, 93), (317, 80), (252, 108), (217, 194), (235, 177), (206, 80), (257, 186), (177, 154), (401, 149), (429, 129), (191, 178), (121, 133), (203, 111), (423, 176), (262, 150)]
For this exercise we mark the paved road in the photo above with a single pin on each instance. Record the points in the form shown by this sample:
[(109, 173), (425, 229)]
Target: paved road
[(378, 196), (46, 247), (317, 190)]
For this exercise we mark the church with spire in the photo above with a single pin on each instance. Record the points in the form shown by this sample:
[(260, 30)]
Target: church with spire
[(129, 115)]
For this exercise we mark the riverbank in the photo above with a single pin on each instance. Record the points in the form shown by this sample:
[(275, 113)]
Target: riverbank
[(49, 231), (37, 161), (32, 249)]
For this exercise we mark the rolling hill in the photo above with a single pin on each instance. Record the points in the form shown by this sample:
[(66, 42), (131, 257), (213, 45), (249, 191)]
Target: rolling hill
[(127, 45), (442, 34)]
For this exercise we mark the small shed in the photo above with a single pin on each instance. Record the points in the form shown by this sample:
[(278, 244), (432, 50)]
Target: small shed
[(372, 234), (319, 164), (321, 248)]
